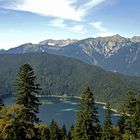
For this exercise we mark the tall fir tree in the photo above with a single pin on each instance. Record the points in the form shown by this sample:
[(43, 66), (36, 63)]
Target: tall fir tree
[(42, 132), (121, 126), (137, 117), (107, 127), (132, 109), (1, 103), (63, 132), (71, 133), (55, 132), (87, 122), (26, 90)]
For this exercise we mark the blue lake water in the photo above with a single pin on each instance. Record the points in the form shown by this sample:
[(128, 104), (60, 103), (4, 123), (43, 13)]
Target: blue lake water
[(61, 110)]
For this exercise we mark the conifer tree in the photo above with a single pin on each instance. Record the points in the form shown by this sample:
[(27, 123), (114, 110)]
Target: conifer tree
[(121, 126), (71, 133), (55, 132), (1, 103), (107, 127), (26, 91), (43, 132), (137, 117), (87, 122), (132, 122), (63, 132)]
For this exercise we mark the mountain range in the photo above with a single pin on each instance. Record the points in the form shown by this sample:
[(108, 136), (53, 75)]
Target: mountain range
[(114, 53)]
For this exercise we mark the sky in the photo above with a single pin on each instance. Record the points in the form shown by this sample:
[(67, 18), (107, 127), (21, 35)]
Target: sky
[(25, 21)]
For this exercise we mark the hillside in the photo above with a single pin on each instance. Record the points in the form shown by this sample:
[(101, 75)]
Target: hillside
[(60, 75), (114, 53)]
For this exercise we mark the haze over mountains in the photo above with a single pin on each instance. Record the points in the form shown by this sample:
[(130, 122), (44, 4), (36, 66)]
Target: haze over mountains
[(114, 53)]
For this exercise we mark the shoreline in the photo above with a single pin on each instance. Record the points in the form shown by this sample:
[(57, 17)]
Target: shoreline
[(78, 97)]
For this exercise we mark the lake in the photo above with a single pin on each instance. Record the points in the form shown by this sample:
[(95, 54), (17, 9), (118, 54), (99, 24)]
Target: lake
[(61, 110)]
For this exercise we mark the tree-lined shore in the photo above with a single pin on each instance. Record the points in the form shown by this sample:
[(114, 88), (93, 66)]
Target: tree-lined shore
[(60, 75)]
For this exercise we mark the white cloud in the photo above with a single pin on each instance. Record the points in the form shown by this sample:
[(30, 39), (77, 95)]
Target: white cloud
[(64, 9), (98, 26), (58, 23), (92, 3), (101, 30), (78, 29)]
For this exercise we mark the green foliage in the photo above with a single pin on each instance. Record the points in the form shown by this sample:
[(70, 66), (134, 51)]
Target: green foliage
[(1, 103), (53, 70), (87, 118), (26, 89), (43, 132), (63, 132), (121, 126), (132, 109), (55, 132), (107, 127), (70, 135), (17, 122), (130, 102), (11, 127)]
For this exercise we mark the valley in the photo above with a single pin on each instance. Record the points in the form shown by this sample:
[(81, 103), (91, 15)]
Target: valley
[(59, 75)]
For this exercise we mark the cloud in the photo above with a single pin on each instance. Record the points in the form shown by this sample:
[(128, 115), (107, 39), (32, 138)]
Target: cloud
[(98, 26), (58, 23), (92, 3), (101, 30), (64, 9), (78, 29)]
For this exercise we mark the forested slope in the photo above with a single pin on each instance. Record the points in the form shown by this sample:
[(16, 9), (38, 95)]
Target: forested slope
[(60, 75)]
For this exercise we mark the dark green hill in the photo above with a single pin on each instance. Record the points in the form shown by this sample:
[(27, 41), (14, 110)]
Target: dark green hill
[(60, 75)]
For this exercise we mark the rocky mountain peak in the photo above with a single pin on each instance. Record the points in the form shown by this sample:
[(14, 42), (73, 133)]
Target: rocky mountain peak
[(135, 39), (105, 46), (27, 45), (118, 38), (2, 51), (59, 43)]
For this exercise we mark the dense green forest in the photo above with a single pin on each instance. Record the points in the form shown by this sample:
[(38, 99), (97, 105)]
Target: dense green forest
[(20, 121), (60, 75)]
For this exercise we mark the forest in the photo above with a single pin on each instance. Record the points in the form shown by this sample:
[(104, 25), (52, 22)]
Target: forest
[(59, 75), (20, 121)]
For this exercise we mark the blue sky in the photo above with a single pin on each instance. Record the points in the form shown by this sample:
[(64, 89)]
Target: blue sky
[(23, 21)]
